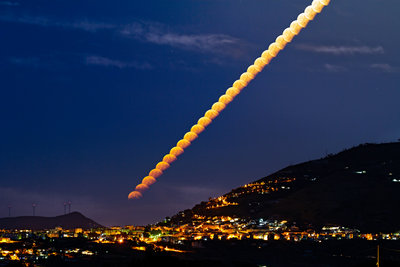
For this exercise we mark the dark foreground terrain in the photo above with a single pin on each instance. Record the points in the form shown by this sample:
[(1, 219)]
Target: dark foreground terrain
[(216, 253)]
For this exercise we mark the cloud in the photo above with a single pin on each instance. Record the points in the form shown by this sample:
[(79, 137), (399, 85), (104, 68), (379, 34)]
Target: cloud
[(49, 61), (150, 32), (157, 34), (89, 26), (341, 50), (25, 19), (7, 3), (107, 62), (26, 61), (47, 22), (334, 68), (201, 42), (383, 67)]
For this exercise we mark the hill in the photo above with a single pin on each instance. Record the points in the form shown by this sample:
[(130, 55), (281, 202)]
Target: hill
[(357, 188), (68, 221)]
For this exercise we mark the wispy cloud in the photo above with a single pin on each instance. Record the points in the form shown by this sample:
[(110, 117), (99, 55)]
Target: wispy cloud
[(89, 26), (26, 61), (201, 42), (334, 68), (157, 34), (7, 3), (383, 67), (48, 22), (341, 50), (107, 62), (47, 61), (149, 32)]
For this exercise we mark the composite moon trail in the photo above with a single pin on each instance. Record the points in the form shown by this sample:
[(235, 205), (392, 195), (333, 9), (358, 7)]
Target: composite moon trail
[(286, 37)]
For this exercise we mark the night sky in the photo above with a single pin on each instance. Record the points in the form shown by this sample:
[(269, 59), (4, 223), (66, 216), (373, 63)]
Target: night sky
[(93, 94)]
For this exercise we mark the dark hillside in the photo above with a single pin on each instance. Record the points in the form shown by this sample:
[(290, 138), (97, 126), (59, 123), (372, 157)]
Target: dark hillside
[(358, 188)]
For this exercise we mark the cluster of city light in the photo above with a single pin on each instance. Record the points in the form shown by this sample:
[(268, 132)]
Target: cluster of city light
[(170, 238), (220, 202), (286, 37)]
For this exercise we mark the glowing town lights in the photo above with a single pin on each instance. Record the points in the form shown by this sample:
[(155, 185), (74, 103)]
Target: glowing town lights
[(281, 41)]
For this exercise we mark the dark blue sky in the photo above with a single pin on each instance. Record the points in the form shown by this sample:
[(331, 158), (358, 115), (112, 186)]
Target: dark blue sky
[(94, 93)]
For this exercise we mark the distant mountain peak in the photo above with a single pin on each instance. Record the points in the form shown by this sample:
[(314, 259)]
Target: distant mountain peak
[(68, 221)]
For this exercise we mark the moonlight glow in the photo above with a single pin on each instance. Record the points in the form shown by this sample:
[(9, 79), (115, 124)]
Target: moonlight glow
[(286, 37)]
